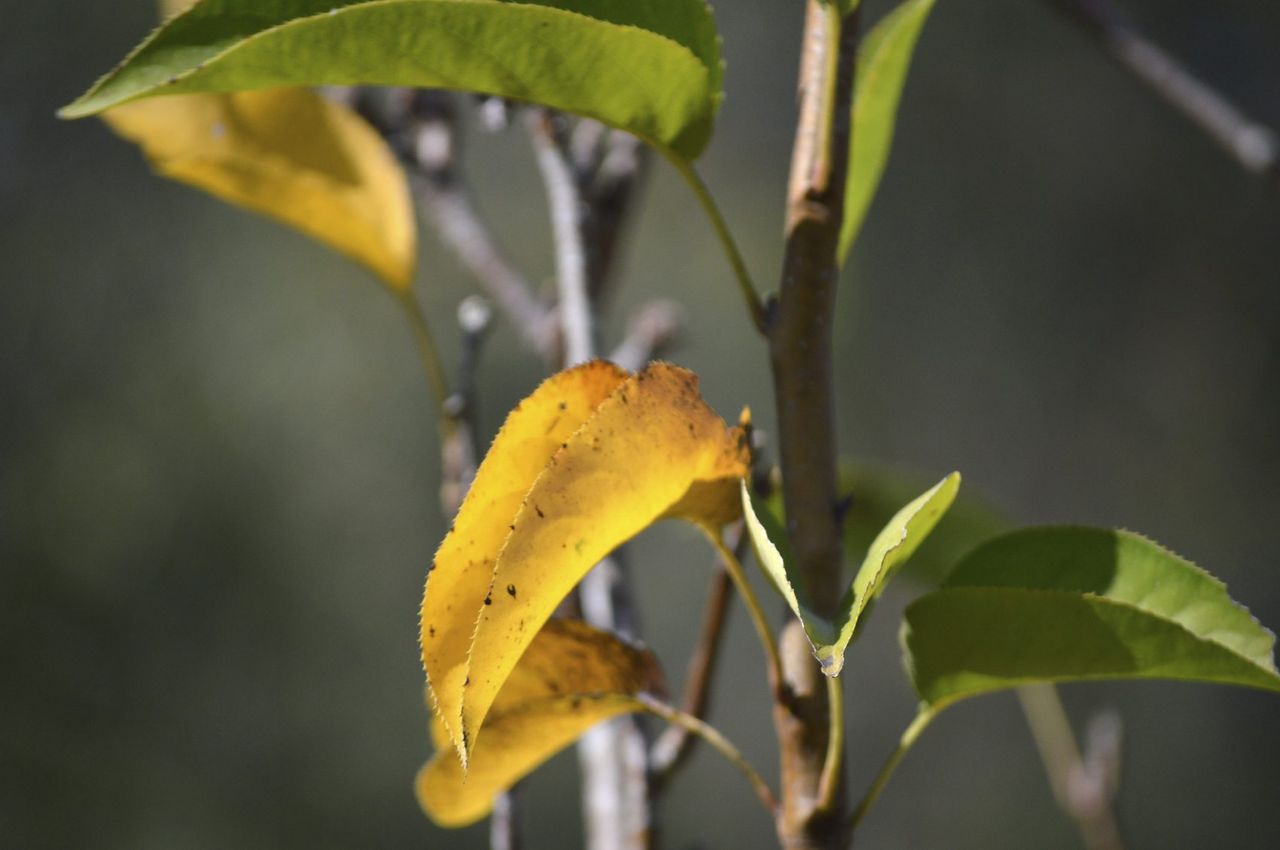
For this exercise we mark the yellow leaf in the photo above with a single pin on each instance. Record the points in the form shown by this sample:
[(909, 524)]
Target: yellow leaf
[(646, 449), (292, 155), (570, 678), (463, 569)]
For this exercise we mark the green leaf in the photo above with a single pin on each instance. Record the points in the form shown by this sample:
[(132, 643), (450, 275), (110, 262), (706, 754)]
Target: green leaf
[(895, 543), (773, 554), (649, 68), (883, 59), (888, 552), (878, 491), (1070, 604)]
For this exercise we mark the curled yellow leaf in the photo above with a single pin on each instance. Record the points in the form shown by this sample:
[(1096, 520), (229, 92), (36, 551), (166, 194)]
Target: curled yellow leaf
[(460, 577), (571, 677), (540, 516), (289, 154)]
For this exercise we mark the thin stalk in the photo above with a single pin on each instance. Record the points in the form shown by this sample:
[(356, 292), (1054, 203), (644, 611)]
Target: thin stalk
[(746, 288), (427, 353), (758, 619), (909, 737), (829, 784), (674, 745), (712, 736)]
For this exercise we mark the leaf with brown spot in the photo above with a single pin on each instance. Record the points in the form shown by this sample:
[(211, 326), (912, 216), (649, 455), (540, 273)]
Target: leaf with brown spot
[(462, 574), (571, 677), (632, 461)]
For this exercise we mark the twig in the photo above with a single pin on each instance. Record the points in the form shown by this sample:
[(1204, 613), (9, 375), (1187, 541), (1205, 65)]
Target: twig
[(1082, 786), (458, 450), (675, 744), (609, 189), (722, 745), (613, 756), (433, 151), (1253, 145), (577, 320), (649, 332), (504, 822), (799, 329)]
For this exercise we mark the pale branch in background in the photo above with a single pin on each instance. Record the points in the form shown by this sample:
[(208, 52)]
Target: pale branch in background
[(614, 755), (653, 328), (1253, 145), (1083, 786), (577, 318), (448, 203)]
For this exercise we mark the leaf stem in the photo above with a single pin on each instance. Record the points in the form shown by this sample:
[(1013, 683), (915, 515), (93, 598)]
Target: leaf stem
[(909, 737), (747, 288), (675, 744), (719, 742), (734, 567), (427, 353), (829, 783)]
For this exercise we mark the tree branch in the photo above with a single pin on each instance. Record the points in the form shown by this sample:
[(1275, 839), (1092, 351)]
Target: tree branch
[(613, 755), (1083, 787), (433, 153), (577, 318), (649, 332), (799, 328), (1253, 145)]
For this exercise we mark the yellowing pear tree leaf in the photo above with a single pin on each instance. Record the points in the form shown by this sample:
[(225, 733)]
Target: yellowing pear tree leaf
[(289, 154), (463, 568), (570, 678), (541, 513)]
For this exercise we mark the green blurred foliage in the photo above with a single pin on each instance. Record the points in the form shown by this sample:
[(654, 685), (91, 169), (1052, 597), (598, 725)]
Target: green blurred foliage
[(218, 469)]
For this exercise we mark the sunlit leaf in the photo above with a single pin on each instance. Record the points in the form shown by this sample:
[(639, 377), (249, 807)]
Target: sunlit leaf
[(879, 491), (890, 549), (291, 155), (883, 59), (570, 678), (650, 68), (588, 461), (463, 570), (895, 543), (773, 554), (1068, 604)]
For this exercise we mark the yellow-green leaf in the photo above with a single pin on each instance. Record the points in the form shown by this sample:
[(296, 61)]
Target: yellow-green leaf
[(651, 450), (888, 552), (291, 155), (773, 555), (571, 677)]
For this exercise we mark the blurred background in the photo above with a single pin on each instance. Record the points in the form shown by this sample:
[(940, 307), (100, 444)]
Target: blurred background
[(218, 462)]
